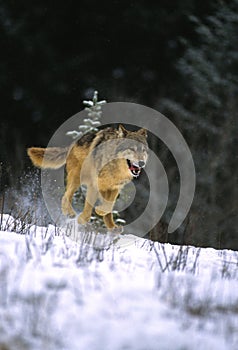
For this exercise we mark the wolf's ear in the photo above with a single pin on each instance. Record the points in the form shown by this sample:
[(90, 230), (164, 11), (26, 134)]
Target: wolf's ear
[(142, 132), (122, 131)]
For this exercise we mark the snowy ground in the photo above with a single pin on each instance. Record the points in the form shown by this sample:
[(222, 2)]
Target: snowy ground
[(56, 293)]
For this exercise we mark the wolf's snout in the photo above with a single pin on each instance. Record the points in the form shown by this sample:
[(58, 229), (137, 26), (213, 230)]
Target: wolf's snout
[(141, 163)]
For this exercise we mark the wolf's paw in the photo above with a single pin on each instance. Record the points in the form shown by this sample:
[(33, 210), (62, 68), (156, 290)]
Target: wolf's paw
[(82, 219), (69, 212), (67, 209), (117, 229)]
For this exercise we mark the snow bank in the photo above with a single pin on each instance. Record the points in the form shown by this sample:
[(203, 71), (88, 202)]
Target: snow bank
[(56, 293)]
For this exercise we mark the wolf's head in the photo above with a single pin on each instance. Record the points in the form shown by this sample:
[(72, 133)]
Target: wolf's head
[(133, 148)]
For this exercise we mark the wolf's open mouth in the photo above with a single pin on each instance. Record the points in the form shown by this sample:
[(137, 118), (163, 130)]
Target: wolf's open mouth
[(134, 168)]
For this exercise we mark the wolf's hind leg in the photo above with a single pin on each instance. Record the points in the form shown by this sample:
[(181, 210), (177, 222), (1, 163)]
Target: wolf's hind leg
[(73, 183), (91, 198)]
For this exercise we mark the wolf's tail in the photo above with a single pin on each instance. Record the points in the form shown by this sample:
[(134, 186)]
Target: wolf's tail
[(52, 157)]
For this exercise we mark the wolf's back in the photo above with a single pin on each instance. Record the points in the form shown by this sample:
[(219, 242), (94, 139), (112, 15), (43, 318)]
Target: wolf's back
[(52, 157)]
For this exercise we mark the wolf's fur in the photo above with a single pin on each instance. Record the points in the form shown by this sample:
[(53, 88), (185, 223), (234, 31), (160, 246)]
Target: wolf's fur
[(104, 161)]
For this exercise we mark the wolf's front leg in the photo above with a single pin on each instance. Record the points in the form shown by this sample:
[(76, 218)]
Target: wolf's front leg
[(108, 199), (90, 200), (109, 222)]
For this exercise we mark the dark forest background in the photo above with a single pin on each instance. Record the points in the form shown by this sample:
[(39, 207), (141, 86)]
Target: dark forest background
[(179, 57)]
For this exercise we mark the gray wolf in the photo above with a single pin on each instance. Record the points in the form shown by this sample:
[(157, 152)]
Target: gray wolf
[(104, 161)]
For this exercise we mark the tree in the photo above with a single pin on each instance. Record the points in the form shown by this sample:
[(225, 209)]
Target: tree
[(206, 112), (91, 124)]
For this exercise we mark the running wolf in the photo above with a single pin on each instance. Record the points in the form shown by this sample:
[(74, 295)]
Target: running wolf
[(104, 161)]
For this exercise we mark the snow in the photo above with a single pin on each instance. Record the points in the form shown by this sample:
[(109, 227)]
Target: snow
[(56, 293)]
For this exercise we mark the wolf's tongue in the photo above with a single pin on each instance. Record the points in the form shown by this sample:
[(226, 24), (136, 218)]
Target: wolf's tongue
[(133, 167)]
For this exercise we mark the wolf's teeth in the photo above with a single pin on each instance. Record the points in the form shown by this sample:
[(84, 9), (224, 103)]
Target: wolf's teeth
[(135, 173)]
